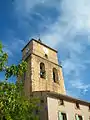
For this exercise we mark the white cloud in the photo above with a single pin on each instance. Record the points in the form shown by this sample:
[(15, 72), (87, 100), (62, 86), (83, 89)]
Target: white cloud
[(80, 85), (25, 7), (77, 11), (74, 20)]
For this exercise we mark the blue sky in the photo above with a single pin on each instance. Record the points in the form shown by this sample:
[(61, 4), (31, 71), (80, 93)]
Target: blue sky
[(62, 24)]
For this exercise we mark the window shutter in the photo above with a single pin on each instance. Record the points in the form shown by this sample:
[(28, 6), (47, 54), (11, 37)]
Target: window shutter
[(77, 117), (60, 116), (83, 117)]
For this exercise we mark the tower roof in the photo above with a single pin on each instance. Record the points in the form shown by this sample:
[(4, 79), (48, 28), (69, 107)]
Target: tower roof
[(39, 43)]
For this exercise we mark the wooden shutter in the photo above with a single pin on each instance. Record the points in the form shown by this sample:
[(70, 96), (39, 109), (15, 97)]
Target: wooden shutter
[(60, 116), (77, 118), (83, 117)]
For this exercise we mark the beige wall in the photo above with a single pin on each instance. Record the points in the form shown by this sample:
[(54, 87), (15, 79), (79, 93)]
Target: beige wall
[(43, 106), (33, 82), (39, 49), (30, 46), (68, 108), (27, 80), (41, 84)]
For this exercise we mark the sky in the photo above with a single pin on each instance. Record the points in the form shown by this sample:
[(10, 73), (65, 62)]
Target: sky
[(61, 24)]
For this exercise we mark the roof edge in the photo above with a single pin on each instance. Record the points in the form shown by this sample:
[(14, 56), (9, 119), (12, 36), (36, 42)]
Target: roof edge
[(39, 43), (65, 97)]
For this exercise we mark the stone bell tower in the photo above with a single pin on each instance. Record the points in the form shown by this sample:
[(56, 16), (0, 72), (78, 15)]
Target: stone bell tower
[(44, 72)]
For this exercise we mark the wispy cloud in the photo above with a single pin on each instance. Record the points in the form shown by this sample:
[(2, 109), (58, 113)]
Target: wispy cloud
[(25, 7), (78, 88), (80, 85), (70, 31)]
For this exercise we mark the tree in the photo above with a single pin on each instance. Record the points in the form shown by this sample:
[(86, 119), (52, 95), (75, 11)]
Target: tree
[(14, 105), (13, 70)]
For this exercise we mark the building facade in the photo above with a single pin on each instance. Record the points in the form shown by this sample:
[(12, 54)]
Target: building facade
[(62, 107), (44, 78)]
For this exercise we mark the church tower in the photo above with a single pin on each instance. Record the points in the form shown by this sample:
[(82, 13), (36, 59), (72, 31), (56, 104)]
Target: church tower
[(44, 72)]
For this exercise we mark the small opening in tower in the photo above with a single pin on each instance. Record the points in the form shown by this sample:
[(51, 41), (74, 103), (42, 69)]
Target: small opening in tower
[(42, 70), (46, 55), (55, 75)]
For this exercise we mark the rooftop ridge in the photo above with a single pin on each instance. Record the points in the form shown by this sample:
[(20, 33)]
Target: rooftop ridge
[(39, 43), (65, 97)]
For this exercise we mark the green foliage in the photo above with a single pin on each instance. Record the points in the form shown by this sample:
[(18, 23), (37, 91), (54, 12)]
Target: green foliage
[(14, 105), (3, 58), (13, 70)]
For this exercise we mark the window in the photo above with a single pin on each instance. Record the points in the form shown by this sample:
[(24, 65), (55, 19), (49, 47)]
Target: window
[(27, 50), (42, 101), (42, 70), (89, 107), (79, 117), (62, 116), (77, 106), (61, 102), (55, 75), (89, 118)]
